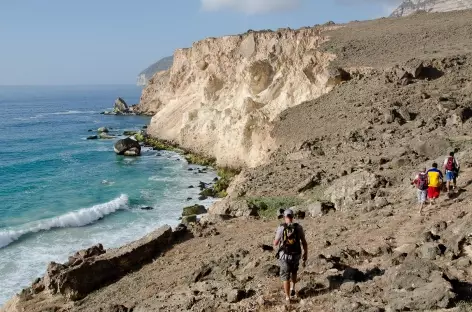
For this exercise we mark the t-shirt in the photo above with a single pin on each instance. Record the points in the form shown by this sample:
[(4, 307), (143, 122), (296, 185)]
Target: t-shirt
[(279, 236), (435, 177), (456, 162)]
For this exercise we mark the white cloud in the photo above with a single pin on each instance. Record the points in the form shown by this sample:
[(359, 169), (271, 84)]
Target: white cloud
[(250, 6)]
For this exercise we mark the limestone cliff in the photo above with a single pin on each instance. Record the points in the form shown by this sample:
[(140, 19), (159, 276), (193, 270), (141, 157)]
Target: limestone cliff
[(412, 6), (221, 95)]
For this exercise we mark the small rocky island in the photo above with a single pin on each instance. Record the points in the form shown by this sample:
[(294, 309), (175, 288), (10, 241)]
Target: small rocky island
[(121, 108)]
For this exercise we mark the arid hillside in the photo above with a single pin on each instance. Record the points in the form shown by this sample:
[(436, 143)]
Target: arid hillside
[(388, 97)]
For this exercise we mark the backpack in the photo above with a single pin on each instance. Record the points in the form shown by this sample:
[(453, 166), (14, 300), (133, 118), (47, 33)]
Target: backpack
[(290, 239), (422, 183), (451, 164)]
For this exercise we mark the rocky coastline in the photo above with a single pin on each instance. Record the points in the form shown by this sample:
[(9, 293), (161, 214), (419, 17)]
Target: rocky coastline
[(381, 100)]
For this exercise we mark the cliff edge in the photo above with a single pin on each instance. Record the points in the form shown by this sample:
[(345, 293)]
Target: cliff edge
[(221, 95)]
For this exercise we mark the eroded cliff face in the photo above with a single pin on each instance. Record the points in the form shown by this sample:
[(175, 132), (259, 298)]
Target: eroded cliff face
[(221, 96)]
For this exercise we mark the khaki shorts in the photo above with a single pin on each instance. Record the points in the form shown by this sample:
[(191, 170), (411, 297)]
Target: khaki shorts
[(288, 268)]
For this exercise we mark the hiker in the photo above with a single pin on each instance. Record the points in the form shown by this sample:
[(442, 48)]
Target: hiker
[(451, 170), (435, 178), (421, 183), (289, 238)]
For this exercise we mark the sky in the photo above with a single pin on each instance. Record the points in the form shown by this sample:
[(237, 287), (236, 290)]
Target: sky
[(88, 42)]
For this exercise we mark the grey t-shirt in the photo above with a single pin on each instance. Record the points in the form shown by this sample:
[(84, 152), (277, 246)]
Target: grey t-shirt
[(280, 231)]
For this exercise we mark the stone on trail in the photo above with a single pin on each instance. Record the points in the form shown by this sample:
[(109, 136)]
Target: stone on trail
[(429, 251), (235, 295)]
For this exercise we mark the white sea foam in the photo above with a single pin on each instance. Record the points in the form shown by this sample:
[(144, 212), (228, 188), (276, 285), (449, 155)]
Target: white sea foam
[(72, 112), (72, 219)]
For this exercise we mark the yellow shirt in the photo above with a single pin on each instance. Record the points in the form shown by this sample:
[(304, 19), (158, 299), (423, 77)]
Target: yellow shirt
[(434, 177)]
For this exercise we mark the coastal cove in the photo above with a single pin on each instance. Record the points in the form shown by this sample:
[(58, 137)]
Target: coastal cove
[(60, 192)]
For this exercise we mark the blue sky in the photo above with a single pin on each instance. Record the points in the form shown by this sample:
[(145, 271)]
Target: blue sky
[(61, 42)]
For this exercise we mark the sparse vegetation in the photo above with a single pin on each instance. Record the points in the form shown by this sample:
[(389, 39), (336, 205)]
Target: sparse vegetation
[(269, 206)]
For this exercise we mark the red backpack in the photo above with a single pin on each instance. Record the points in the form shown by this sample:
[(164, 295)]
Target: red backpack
[(422, 182), (451, 164)]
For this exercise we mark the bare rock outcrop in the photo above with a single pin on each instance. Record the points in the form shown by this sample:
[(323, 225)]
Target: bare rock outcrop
[(357, 187), (93, 268), (221, 96)]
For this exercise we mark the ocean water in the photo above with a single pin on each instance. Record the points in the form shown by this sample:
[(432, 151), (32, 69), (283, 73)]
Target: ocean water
[(60, 192)]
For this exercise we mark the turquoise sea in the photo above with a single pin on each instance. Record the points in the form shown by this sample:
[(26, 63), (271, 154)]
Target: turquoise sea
[(60, 192)]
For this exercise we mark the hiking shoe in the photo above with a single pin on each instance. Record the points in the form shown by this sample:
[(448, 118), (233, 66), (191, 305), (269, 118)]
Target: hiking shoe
[(292, 293)]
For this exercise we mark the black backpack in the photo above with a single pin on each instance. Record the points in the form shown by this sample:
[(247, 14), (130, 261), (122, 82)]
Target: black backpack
[(290, 239)]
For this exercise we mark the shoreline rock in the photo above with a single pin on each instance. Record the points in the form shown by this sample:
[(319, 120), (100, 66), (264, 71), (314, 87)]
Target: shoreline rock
[(127, 147), (93, 268)]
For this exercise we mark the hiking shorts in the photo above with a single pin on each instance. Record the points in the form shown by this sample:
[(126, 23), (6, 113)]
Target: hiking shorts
[(450, 175), (422, 195), (433, 192), (288, 268)]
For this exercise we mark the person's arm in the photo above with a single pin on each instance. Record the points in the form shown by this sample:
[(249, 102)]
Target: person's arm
[(278, 237), (304, 244), (457, 164), (415, 181)]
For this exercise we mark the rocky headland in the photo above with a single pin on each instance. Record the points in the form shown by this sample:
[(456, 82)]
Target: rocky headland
[(334, 120)]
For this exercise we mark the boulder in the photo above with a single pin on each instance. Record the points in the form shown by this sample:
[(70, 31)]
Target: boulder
[(92, 137), (123, 145), (213, 218), (193, 210), (234, 208), (417, 285), (97, 269), (121, 106), (429, 251), (103, 129), (352, 189)]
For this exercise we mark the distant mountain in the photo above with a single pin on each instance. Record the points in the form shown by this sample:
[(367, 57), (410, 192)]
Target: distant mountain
[(412, 6), (161, 65)]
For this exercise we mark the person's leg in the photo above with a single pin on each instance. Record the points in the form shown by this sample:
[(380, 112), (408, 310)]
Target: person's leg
[(294, 270), (420, 200), (287, 289), (285, 277), (430, 195), (294, 282)]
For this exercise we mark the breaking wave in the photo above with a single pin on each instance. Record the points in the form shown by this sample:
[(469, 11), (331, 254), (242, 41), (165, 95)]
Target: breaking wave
[(77, 218)]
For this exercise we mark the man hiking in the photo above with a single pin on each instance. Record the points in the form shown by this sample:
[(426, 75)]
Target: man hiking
[(421, 183), (435, 178), (451, 169), (289, 239)]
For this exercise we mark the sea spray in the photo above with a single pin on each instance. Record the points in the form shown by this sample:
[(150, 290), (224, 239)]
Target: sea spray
[(77, 218)]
